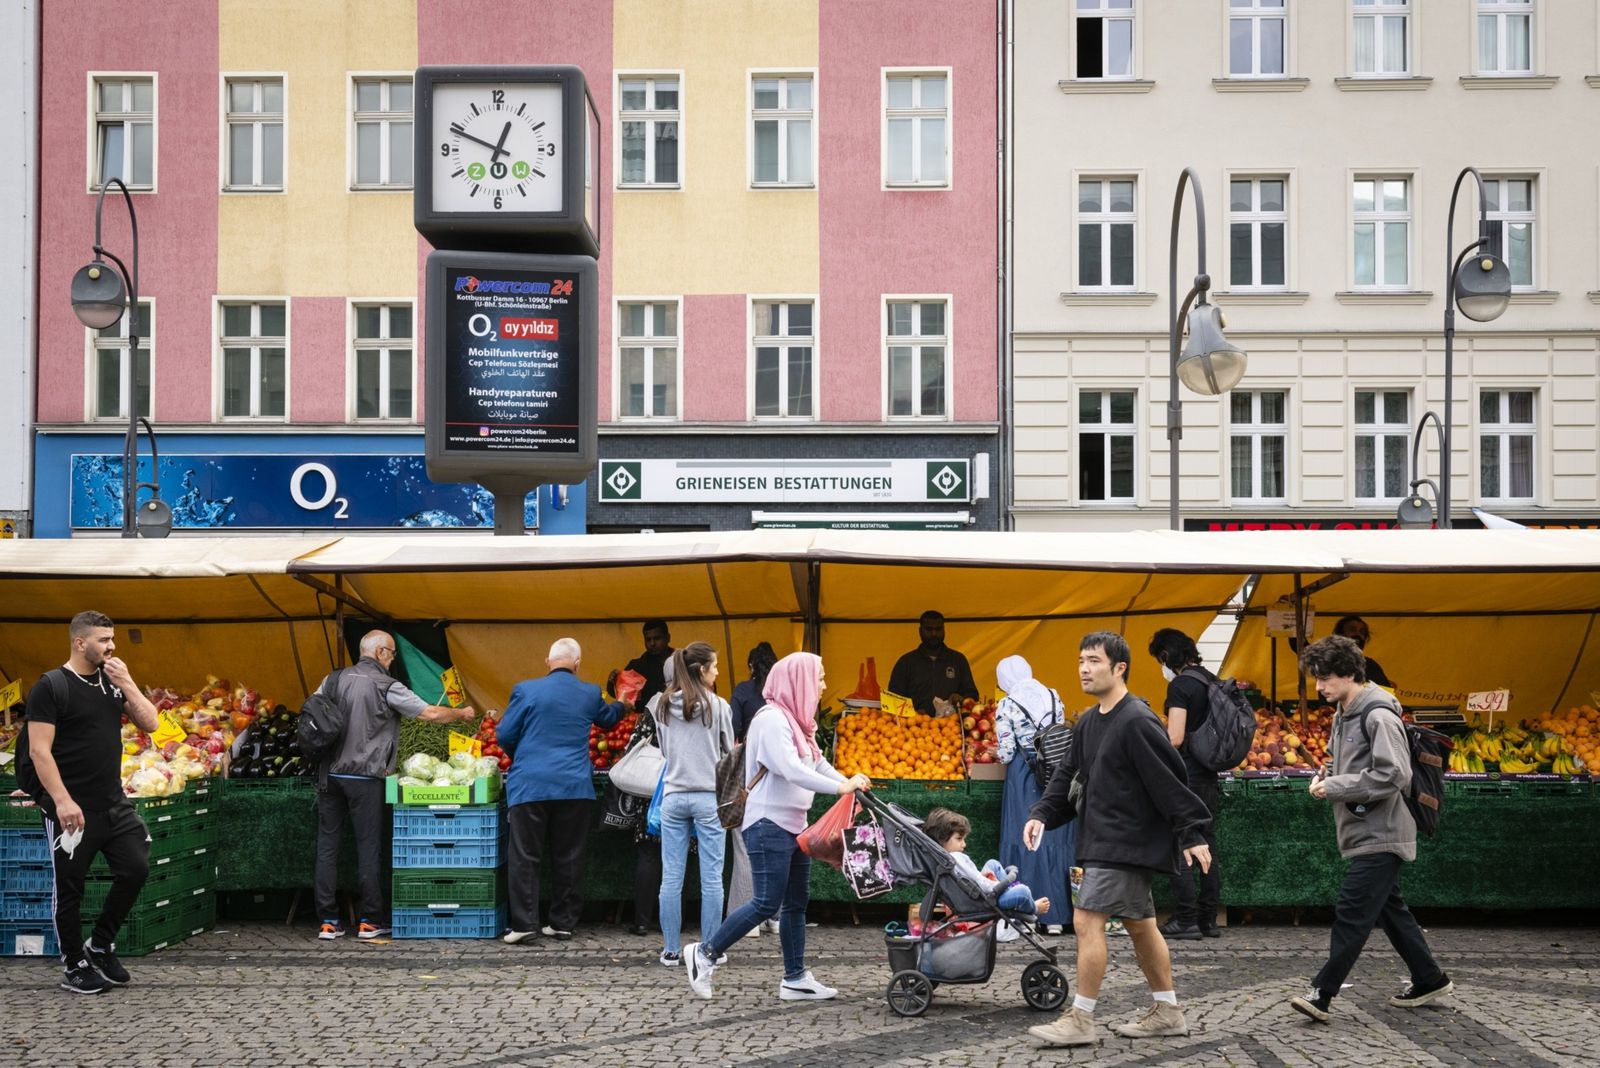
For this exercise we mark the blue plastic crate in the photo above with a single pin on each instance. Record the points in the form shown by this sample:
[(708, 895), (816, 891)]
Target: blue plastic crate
[(28, 940), (34, 877), (449, 923), (474, 823), (24, 845), (33, 908), (427, 853)]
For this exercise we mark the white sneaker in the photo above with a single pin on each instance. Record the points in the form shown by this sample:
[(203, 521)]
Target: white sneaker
[(754, 932), (1004, 932), (513, 937), (698, 970), (770, 926), (805, 988)]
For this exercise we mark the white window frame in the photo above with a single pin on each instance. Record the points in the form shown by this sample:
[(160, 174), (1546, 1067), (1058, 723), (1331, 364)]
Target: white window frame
[(783, 341), (648, 341), (1254, 218), (1501, 11), (1499, 214), (1106, 430), (783, 115), (127, 118), (917, 114), (385, 118), (93, 343), (1378, 217), (1106, 219), (916, 341), (1505, 430), (1380, 431), (258, 120), (649, 116), (1257, 431), (385, 346), (1376, 11), (255, 343), (1256, 13), (1106, 14)]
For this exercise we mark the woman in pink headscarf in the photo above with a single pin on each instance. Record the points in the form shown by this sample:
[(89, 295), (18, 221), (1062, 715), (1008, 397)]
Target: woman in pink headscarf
[(782, 759)]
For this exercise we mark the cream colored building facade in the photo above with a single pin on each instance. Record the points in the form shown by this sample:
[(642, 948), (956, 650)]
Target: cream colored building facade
[(1327, 135)]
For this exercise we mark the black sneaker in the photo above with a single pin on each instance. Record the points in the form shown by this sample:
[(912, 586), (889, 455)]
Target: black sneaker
[(1315, 1004), (1210, 930), (1175, 929), (106, 963), (82, 978), (1414, 995)]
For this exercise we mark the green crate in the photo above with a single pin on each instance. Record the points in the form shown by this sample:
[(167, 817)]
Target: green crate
[(288, 784), (1550, 788), (170, 878), (448, 888), (16, 812), (1264, 786), (482, 791), (992, 789), (1230, 786), (166, 923), (1478, 788)]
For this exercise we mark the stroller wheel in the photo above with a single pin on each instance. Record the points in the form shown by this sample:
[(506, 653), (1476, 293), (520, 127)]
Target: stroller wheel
[(1044, 987), (910, 993)]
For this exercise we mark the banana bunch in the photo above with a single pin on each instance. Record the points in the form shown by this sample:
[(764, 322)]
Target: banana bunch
[(1566, 764), (1514, 735), (1465, 760), (1514, 766), (1480, 744), (1550, 745)]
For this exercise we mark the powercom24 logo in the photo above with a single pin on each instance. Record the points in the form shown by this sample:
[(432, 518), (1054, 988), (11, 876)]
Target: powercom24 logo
[(468, 283)]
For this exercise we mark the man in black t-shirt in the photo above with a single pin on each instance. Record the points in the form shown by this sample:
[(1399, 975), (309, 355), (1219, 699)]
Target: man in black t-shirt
[(932, 671), (1187, 705), (72, 766)]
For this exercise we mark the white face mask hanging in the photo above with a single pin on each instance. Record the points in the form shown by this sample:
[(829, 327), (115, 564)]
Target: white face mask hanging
[(1167, 673)]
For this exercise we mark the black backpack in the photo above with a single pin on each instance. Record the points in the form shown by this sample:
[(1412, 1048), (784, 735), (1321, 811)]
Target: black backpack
[(1224, 736), (1424, 798), (27, 778), (320, 728), (1052, 745)]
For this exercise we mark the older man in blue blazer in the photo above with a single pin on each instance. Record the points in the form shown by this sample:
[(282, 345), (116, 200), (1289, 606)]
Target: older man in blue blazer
[(550, 789)]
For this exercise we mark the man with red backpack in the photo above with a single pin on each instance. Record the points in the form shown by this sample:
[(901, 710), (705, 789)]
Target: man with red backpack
[(1367, 784)]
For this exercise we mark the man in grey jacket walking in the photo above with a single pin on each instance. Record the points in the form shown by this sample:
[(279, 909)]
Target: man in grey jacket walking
[(1371, 772)]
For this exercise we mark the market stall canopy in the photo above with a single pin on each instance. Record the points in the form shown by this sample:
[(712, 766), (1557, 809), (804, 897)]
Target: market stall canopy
[(1451, 612)]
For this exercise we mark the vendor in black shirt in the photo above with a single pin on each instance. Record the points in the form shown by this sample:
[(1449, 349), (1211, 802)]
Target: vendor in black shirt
[(652, 663), (72, 767), (932, 670), (1187, 706), (1355, 628)]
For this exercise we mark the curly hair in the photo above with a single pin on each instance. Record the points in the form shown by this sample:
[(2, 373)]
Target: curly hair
[(1337, 656)]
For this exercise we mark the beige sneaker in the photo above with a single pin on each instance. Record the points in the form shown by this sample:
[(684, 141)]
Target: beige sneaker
[(1072, 1028), (1159, 1020)]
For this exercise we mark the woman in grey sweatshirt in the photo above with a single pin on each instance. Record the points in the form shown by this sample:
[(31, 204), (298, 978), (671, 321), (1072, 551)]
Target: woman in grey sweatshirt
[(694, 728)]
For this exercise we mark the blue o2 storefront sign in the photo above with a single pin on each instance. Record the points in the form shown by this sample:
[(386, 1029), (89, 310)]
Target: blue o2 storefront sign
[(264, 492)]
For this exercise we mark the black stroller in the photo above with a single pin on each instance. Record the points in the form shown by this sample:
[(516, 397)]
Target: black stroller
[(959, 948)]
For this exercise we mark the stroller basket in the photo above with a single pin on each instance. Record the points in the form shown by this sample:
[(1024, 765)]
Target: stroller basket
[(950, 956)]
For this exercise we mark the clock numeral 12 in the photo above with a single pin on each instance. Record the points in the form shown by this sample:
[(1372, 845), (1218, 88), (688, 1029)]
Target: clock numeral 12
[(499, 96)]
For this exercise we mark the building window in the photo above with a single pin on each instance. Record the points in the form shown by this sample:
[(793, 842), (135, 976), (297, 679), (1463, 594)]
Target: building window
[(785, 364), (1505, 36), (1505, 444), (651, 109), (1106, 220), (125, 132), (648, 346), (110, 374), (1382, 209), (919, 346), (1258, 433), (1105, 445), (1104, 31), (781, 111), (1383, 433), (383, 346), (1256, 38), (1258, 224), (255, 133), (1382, 33), (255, 361), (383, 133), (917, 129), (1512, 213)]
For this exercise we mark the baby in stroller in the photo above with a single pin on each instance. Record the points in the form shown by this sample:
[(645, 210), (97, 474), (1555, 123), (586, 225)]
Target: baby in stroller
[(950, 830)]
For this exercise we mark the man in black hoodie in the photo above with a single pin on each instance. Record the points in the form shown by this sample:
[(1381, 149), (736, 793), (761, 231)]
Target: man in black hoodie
[(1136, 814)]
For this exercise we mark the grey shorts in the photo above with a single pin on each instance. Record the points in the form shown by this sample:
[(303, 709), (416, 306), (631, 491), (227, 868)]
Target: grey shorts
[(1114, 892)]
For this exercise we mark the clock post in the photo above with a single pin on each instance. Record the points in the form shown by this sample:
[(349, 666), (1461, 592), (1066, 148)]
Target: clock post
[(507, 165)]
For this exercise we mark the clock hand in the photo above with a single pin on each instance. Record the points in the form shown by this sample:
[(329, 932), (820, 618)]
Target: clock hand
[(499, 148), (459, 132)]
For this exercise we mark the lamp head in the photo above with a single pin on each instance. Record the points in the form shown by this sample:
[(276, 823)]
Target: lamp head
[(1415, 513), (1210, 364), (154, 518), (1483, 287), (98, 295)]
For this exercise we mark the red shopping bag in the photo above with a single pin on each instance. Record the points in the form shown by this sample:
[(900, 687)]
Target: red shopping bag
[(629, 683), (824, 839)]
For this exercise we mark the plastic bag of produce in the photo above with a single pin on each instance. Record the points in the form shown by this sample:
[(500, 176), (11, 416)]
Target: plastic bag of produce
[(484, 767), (462, 760), (443, 780), (460, 777), (629, 683), (420, 765), (412, 780), (824, 839)]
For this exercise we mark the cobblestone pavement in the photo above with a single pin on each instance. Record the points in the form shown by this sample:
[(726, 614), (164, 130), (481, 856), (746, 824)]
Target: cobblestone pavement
[(265, 994)]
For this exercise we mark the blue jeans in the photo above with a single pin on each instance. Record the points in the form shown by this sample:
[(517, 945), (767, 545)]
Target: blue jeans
[(782, 877), (679, 813)]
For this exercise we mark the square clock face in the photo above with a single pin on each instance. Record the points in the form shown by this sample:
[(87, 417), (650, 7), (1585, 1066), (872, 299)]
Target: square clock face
[(495, 145)]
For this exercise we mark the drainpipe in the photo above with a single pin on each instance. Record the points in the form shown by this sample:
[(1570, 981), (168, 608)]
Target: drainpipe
[(1004, 125)]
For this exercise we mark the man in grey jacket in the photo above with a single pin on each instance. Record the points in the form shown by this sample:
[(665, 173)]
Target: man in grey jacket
[(1371, 772)]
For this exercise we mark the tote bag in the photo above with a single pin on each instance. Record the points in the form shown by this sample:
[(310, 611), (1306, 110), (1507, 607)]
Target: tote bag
[(639, 770)]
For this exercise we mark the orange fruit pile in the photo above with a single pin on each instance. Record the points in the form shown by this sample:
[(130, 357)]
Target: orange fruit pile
[(1580, 727), (874, 743)]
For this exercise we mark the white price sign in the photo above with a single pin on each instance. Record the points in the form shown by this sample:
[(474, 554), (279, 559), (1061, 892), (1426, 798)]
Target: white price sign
[(1489, 701), (1281, 622)]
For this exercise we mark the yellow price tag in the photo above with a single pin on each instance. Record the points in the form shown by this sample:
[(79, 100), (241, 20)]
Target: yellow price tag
[(168, 729), (460, 743), (10, 694), (455, 692), (895, 705)]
